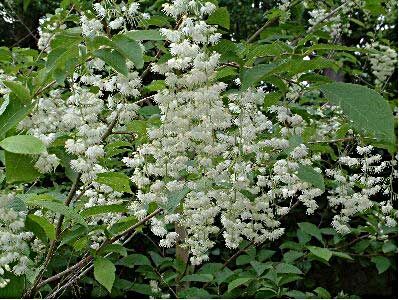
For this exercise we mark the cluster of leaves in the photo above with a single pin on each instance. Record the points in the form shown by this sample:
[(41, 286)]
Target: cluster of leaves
[(312, 260)]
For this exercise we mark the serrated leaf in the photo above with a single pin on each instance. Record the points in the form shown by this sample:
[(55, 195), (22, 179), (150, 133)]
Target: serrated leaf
[(134, 260), (311, 229), (103, 209), (20, 91), (237, 282), (44, 201), (308, 174), (114, 248), (368, 110), (104, 272), (174, 199), (382, 263), (20, 168), (114, 59), (322, 253), (44, 224), (12, 112), (220, 17), (250, 77), (287, 269), (145, 35), (23, 144), (119, 182), (129, 49), (198, 277)]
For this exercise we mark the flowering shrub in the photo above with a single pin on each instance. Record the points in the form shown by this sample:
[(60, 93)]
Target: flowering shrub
[(147, 137)]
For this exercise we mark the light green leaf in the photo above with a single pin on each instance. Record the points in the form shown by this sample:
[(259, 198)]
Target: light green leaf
[(220, 17), (342, 255), (198, 277), (145, 35), (20, 91), (389, 247), (114, 59), (237, 282), (174, 199), (322, 293), (287, 269), (309, 174), (104, 272), (130, 49), (12, 112), (311, 229), (20, 168), (368, 110), (45, 201), (119, 182), (23, 144), (103, 209), (44, 224), (322, 253), (382, 263)]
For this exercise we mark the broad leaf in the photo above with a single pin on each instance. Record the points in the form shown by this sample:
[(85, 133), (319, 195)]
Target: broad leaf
[(382, 263), (311, 229), (129, 49), (287, 269), (20, 168), (308, 174), (119, 182), (23, 144), (322, 253), (145, 35), (47, 227), (103, 209), (368, 110), (114, 59), (104, 272), (220, 17), (20, 91), (237, 282)]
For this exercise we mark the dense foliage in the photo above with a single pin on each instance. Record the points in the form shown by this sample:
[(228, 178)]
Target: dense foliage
[(199, 149)]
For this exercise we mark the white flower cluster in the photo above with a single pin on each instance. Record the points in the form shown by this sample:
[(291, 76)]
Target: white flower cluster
[(210, 154), (14, 247), (354, 191), (48, 27), (383, 63)]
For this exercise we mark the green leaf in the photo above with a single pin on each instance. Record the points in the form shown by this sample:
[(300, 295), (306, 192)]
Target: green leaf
[(114, 59), (20, 91), (322, 293), (104, 272), (194, 293), (382, 263), (237, 282), (174, 199), (322, 253), (119, 182), (292, 255), (103, 209), (15, 288), (45, 201), (145, 35), (311, 229), (123, 224), (285, 268), (114, 248), (134, 260), (389, 247), (198, 277), (23, 144), (12, 112), (47, 227), (250, 77), (20, 168), (129, 49), (260, 267), (309, 174), (220, 17), (368, 110), (149, 110), (342, 255)]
